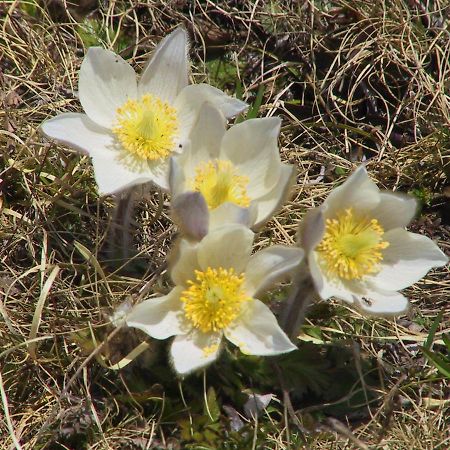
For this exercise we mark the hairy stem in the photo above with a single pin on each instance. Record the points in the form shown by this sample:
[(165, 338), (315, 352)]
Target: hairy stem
[(120, 233), (301, 296)]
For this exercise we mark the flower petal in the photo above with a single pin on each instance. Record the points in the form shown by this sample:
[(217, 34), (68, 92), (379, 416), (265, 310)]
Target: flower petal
[(106, 82), (407, 259), (185, 262), (252, 146), (159, 172), (159, 317), (231, 213), (269, 265), (113, 176), (167, 72), (205, 139), (382, 303), (326, 287), (358, 192), (269, 203), (194, 350), (257, 332), (177, 180), (311, 229), (79, 132), (395, 210), (192, 97), (228, 247)]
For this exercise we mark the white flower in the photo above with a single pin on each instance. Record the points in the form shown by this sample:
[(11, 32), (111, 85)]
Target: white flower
[(217, 282), (358, 250), (131, 127), (236, 169)]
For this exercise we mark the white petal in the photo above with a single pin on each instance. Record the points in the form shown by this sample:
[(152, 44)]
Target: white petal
[(177, 180), (168, 69), (311, 229), (194, 350), (269, 203), (230, 213), (208, 130), (228, 247), (395, 210), (257, 332), (326, 287), (111, 174), (382, 303), (114, 176), (79, 132), (159, 317), (358, 192), (192, 97), (252, 146), (269, 265), (185, 262), (407, 259), (205, 139), (159, 172), (190, 213), (106, 82)]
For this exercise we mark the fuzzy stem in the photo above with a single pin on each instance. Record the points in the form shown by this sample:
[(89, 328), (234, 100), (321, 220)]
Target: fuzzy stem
[(301, 296), (120, 234)]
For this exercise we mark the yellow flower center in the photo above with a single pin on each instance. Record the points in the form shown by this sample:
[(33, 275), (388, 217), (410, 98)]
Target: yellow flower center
[(214, 299), (219, 182), (351, 246), (147, 127)]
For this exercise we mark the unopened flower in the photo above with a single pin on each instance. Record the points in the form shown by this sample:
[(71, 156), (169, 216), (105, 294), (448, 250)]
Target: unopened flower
[(359, 251), (131, 128), (217, 281), (240, 166), (190, 212)]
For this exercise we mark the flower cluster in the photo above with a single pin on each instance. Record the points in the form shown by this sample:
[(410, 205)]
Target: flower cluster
[(225, 183)]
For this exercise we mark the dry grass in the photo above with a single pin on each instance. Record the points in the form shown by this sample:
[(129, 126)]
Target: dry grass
[(352, 80)]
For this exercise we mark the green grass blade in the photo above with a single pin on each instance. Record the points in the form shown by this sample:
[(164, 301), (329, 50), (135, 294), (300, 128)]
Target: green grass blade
[(441, 364), (446, 339), (254, 110), (433, 329)]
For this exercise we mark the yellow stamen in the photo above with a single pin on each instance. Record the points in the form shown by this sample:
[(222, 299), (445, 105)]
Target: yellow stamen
[(147, 127), (351, 246), (214, 299), (219, 182)]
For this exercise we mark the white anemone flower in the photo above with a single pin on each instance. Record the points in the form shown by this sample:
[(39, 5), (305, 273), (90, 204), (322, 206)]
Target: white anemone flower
[(131, 127), (359, 251), (217, 282), (237, 168)]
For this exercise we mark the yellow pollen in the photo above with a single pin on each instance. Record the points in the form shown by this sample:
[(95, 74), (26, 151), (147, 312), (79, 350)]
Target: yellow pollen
[(210, 350), (219, 182), (351, 246), (147, 127), (214, 299)]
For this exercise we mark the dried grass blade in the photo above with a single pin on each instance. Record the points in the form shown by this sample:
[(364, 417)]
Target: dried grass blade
[(39, 307), (90, 258), (7, 416), (126, 359)]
